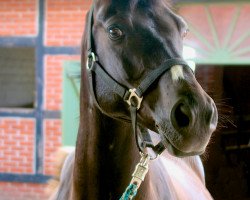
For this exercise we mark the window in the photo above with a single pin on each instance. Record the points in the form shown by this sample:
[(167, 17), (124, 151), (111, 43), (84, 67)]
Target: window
[(17, 77)]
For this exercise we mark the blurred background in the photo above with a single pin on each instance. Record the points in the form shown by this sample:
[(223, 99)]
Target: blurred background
[(39, 88)]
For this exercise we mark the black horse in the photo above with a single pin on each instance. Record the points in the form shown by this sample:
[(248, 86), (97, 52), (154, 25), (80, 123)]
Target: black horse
[(135, 77)]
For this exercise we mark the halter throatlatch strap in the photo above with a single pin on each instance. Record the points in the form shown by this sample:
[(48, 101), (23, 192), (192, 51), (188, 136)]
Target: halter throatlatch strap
[(133, 96)]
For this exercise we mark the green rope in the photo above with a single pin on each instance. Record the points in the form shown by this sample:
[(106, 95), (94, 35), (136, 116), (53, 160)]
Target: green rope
[(130, 192)]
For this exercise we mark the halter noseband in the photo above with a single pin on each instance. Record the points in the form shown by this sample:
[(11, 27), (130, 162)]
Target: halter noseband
[(133, 96)]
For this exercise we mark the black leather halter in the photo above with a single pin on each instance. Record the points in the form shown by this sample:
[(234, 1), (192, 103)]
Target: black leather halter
[(134, 96)]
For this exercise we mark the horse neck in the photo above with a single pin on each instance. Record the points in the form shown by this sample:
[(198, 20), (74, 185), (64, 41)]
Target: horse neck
[(106, 154)]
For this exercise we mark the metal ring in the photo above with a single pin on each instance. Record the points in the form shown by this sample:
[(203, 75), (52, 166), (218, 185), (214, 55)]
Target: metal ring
[(151, 157), (91, 59)]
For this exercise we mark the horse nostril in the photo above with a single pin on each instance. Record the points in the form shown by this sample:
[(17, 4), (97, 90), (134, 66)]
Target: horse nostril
[(181, 116)]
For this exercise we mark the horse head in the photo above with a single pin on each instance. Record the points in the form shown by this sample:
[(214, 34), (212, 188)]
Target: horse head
[(133, 38)]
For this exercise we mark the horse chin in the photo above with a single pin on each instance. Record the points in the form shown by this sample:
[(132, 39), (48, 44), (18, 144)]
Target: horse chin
[(174, 151)]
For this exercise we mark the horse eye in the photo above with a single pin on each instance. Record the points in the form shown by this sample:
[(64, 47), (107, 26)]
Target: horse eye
[(115, 33)]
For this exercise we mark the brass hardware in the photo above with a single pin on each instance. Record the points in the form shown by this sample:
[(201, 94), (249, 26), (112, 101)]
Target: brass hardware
[(138, 99), (141, 170)]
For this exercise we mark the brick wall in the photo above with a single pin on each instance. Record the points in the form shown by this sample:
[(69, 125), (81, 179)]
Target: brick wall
[(18, 18), (52, 143), (17, 145), (65, 22), (63, 27)]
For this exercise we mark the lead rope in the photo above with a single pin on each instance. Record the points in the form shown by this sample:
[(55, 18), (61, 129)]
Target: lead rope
[(138, 176), (141, 168)]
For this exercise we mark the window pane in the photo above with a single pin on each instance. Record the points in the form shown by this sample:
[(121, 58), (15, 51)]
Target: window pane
[(17, 77)]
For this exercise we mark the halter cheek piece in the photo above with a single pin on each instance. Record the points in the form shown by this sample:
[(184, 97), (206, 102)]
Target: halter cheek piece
[(133, 97)]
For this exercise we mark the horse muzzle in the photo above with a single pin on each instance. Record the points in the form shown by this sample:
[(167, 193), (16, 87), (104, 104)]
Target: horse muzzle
[(190, 126)]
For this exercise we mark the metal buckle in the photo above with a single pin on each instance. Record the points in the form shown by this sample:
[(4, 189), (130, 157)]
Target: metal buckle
[(138, 99), (90, 60)]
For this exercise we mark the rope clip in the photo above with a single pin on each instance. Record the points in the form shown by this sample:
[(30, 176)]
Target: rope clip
[(141, 170)]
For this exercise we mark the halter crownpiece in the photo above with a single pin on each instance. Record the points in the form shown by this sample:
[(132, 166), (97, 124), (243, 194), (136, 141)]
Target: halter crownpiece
[(133, 97)]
